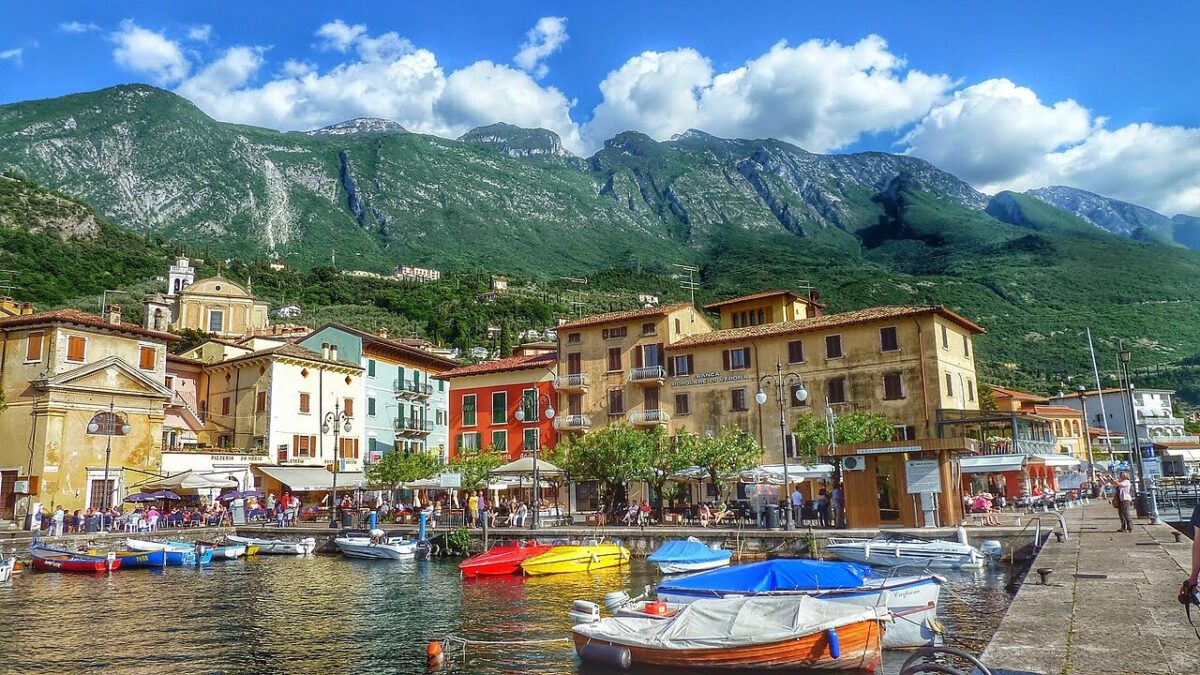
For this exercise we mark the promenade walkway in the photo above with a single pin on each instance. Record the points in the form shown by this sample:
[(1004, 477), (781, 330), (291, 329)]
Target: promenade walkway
[(1109, 607)]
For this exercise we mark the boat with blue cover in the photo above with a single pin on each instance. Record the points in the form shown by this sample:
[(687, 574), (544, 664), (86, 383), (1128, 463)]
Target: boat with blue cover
[(681, 556), (912, 600), (177, 556)]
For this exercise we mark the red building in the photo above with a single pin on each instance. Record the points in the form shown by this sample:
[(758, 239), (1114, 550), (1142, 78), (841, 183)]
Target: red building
[(485, 400)]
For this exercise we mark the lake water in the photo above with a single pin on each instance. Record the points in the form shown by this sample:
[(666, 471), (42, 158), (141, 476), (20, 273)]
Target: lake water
[(329, 614)]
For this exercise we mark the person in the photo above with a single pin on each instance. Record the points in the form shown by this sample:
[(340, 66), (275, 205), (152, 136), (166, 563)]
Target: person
[(631, 513), (705, 514), (1123, 500), (823, 508), (59, 515), (838, 505), (721, 514), (644, 513), (271, 501), (522, 513), (797, 505), (472, 509)]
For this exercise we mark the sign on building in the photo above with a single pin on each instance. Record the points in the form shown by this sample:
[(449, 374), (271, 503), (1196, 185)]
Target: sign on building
[(450, 480), (923, 476)]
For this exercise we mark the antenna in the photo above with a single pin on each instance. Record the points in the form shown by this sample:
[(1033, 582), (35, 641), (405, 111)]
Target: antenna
[(577, 303), (7, 285), (691, 285)]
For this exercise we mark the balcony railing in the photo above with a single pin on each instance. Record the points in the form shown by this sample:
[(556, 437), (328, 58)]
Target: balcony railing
[(1019, 446), (212, 450), (572, 422), (648, 375), (1151, 421), (406, 425), (649, 417), (410, 389), (1166, 438), (575, 382)]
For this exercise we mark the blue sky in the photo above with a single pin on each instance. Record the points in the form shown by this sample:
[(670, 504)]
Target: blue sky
[(1102, 95)]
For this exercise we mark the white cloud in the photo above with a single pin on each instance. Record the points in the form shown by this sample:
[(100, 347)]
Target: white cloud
[(13, 55), (997, 135), (338, 35), (146, 51), (546, 37), (77, 27), (200, 33), (819, 95), (485, 92)]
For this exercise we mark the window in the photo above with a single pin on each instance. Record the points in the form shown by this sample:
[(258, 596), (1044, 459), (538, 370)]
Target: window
[(574, 363), (370, 367), (678, 326), (796, 351), (833, 347), (680, 365), (616, 402), (33, 348), (348, 449), (76, 348), (796, 403), (737, 399), (614, 359), (441, 386), (260, 402), (529, 404), (147, 356), (614, 333), (761, 317), (736, 359), (348, 407), (945, 337), (967, 346), (649, 329), (216, 320), (888, 339), (648, 356), (225, 405), (370, 406), (468, 410), (305, 403), (500, 441), (107, 424), (970, 390), (574, 338), (530, 440), (468, 441), (499, 407), (902, 432), (949, 384), (682, 404), (98, 496), (835, 390), (305, 446), (893, 389), (373, 447)]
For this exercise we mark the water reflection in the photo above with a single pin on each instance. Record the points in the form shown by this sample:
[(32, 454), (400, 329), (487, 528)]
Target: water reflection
[(273, 614)]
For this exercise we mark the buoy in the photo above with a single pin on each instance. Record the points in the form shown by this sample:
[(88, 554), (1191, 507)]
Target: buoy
[(434, 655)]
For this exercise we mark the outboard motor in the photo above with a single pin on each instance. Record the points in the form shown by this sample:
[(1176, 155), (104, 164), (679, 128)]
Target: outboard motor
[(424, 548), (615, 600), (583, 611), (991, 548)]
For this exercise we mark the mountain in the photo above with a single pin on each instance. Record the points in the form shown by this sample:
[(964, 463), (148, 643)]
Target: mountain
[(1123, 218), (517, 141), (359, 125)]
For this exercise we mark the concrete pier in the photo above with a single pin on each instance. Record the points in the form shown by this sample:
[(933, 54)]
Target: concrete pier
[(1109, 604)]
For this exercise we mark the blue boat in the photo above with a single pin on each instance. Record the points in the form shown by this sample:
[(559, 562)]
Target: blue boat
[(177, 556), (130, 559), (681, 556), (911, 599)]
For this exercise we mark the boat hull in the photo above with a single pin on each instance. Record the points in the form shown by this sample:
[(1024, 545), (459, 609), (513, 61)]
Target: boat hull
[(572, 559), (6, 569), (74, 563), (689, 567), (277, 546), (500, 560), (136, 559), (365, 550), (859, 643), (219, 551), (890, 556)]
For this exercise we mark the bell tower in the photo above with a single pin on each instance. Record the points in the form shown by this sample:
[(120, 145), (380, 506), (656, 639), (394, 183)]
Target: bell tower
[(180, 276)]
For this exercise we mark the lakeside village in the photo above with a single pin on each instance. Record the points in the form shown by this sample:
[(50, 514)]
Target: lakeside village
[(98, 410)]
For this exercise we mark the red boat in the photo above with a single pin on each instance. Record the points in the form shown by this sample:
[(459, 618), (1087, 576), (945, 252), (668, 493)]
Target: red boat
[(53, 560), (503, 558)]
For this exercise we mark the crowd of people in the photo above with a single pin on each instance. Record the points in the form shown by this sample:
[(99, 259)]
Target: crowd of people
[(127, 518)]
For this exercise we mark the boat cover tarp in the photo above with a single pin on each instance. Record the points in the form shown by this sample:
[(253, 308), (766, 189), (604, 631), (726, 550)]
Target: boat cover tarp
[(773, 575), (687, 551), (731, 622)]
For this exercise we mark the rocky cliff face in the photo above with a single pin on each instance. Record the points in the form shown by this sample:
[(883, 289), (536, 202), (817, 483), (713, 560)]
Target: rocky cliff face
[(36, 210), (359, 125), (1112, 215)]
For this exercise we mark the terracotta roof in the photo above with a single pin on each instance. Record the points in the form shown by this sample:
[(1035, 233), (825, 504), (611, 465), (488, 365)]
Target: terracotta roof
[(825, 322), (756, 296), (502, 365), (404, 345), (293, 350), (1176, 444), (78, 318), (1053, 410), (1099, 431), (184, 359), (1016, 394), (1090, 392), (621, 317)]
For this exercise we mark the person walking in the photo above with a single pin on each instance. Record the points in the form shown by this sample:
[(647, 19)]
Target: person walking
[(1123, 500), (837, 501), (823, 508), (797, 505)]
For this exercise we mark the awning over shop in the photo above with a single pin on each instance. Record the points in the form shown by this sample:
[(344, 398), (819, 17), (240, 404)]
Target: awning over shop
[(311, 478), (191, 480), (992, 463), (1186, 454), (524, 467), (798, 472), (1062, 461)]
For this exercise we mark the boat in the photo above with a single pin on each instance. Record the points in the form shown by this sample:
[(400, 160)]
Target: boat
[(6, 569), (178, 554), (744, 633), (277, 546), (220, 551), (912, 600), (683, 556), (576, 558), (376, 548), (134, 559), (503, 558), (49, 559), (895, 549)]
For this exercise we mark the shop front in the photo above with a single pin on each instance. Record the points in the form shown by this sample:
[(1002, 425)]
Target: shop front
[(995, 474)]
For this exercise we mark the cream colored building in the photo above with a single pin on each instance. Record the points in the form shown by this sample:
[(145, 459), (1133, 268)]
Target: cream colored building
[(215, 305)]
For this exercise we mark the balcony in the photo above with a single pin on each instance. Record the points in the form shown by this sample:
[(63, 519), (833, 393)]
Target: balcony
[(413, 427), (1020, 446), (1151, 421), (413, 390), (1170, 438), (652, 376), (573, 423), (577, 382), (649, 418)]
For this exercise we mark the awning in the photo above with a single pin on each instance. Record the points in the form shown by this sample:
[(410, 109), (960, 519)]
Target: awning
[(797, 472), (992, 463), (192, 480), (1187, 455), (1055, 460), (311, 478), (524, 467)]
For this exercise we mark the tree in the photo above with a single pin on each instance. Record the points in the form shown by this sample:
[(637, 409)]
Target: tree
[(987, 399), (403, 467), (728, 452), (812, 431), (475, 465), (670, 456), (613, 455)]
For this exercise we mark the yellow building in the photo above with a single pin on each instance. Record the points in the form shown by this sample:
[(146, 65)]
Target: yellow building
[(76, 385), (1066, 424), (766, 307), (215, 305)]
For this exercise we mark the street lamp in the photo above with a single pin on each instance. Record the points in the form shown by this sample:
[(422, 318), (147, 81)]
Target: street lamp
[(335, 421), (537, 488), (110, 428), (780, 379), (1124, 356)]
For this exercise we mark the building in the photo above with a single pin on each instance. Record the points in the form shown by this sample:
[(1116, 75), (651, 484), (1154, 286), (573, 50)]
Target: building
[(10, 307), (80, 389), (215, 305), (1156, 420), (1068, 426), (404, 407), (524, 382), (763, 308), (414, 273)]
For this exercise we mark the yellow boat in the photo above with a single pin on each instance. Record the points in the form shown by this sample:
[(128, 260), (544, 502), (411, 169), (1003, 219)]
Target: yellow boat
[(585, 558), (251, 549)]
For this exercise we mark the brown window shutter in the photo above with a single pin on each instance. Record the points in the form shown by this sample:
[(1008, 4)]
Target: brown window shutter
[(671, 366), (637, 357), (746, 350), (691, 365), (725, 358)]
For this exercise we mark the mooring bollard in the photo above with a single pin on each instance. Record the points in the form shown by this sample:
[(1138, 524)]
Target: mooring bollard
[(1044, 573), (1178, 536), (1058, 537)]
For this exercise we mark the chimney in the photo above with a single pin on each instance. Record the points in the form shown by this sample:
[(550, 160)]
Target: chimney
[(383, 332), (112, 314), (26, 308), (813, 298), (333, 352), (325, 350)]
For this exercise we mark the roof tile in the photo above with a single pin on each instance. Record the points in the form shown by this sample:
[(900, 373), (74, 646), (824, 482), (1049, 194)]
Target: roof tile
[(627, 315), (545, 360), (78, 318)]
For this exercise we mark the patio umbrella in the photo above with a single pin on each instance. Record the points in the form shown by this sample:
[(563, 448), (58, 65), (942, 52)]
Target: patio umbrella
[(165, 494), (140, 497)]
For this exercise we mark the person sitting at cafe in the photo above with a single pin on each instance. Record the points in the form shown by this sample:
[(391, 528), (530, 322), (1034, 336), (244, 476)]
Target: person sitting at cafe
[(521, 515), (705, 514), (721, 513)]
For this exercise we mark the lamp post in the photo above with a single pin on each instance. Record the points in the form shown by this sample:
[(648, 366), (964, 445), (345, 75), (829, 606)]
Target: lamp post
[(780, 380), (537, 488), (335, 421), (109, 429), (1124, 357)]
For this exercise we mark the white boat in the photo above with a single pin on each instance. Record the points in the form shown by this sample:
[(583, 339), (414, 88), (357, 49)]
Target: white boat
[(277, 546), (383, 548), (6, 569), (893, 549)]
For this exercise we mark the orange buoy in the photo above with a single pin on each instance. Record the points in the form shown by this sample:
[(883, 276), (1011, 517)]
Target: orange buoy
[(434, 649), (434, 656)]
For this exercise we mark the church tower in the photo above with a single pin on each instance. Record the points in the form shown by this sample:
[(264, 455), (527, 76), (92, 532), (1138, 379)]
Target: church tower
[(181, 275)]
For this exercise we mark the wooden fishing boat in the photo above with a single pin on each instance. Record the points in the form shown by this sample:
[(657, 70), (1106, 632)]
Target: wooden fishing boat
[(754, 633), (181, 555), (134, 559), (48, 559), (502, 559), (576, 558)]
